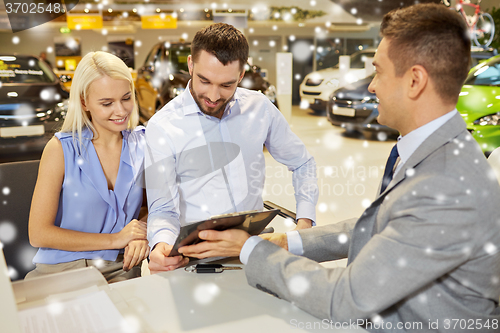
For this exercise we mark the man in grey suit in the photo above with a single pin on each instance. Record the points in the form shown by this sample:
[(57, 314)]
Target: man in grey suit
[(424, 256)]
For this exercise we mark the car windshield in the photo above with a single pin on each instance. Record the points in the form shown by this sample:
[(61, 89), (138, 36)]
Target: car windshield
[(474, 62), (486, 75), (177, 58), (24, 70)]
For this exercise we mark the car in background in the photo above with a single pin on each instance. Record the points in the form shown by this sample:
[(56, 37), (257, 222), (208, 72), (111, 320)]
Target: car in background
[(33, 103), (165, 75), (479, 104), (479, 54), (354, 108), (316, 88), (254, 80)]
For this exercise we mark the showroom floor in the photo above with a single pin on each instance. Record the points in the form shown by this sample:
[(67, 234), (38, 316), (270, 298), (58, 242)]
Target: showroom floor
[(349, 169)]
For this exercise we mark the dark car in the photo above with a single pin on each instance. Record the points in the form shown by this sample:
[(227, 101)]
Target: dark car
[(33, 103), (165, 75), (354, 108)]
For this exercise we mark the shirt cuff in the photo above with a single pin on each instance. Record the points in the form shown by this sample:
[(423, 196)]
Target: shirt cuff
[(306, 210), (248, 247), (163, 236), (295, 243)]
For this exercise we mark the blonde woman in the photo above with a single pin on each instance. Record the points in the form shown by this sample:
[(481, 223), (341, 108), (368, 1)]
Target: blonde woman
[(88, 193)]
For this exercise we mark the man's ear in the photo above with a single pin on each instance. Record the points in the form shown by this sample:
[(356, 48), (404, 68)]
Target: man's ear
[(242, 74), (190, 64), (418, 81)]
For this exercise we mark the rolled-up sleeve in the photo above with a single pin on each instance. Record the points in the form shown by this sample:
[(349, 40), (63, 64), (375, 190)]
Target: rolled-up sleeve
[(286, 148), (161, 187)]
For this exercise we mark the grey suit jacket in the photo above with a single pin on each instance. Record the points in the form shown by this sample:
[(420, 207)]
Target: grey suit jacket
[(423, 257)]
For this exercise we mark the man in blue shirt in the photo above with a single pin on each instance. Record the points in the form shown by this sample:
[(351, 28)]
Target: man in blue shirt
[(205, 147)]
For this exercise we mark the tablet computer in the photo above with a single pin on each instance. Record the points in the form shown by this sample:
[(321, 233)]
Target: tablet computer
[(253, 222)]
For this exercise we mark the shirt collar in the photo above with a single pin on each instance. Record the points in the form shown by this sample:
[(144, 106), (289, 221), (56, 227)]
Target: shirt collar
[(410, 142), (88, 134), (190, 106)]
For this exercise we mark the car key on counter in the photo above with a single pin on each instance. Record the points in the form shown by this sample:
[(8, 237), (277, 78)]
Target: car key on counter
[(210, 268)]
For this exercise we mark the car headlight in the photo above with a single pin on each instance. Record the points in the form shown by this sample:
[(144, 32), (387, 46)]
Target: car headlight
[(491, 119), (313, 80), (62, 107), (370, 100), (270, 93)]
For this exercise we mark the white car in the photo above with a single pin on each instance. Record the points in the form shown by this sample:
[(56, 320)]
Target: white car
[(317, 87)]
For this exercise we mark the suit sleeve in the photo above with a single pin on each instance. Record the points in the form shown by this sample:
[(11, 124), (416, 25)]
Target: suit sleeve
[(419, 244), (161, 187), (329, 242)]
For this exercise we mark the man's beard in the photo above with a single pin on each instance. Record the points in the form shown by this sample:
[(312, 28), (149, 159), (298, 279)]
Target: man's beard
[(209, 111)]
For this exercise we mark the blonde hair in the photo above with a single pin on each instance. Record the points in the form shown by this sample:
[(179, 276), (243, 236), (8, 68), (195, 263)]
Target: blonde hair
[(94, 66)]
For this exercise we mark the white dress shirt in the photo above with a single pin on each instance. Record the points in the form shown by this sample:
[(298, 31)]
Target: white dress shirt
[(198, 166)]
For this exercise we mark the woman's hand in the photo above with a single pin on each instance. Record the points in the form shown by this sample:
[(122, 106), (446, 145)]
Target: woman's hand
[(134, 230), (135, 252)]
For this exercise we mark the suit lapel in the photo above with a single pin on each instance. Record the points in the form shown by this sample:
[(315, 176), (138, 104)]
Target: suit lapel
[(450, 130), (364, 228)]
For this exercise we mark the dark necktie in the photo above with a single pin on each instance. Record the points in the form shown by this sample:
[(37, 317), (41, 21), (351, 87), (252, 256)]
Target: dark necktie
[(389, 168)]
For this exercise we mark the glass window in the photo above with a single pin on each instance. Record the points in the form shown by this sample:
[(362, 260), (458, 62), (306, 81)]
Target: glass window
[(177, 58), (328, 51), (487, 75), (358, 60)]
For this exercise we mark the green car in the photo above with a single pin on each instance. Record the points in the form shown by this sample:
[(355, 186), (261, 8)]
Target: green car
[(479, 104)]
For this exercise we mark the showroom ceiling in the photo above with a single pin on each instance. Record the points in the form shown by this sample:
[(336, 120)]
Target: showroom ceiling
[(368, 10), (373, 10), (340, 15)]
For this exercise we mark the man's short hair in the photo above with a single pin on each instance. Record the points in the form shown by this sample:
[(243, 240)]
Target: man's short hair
[(434, 37), (222, 40)]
